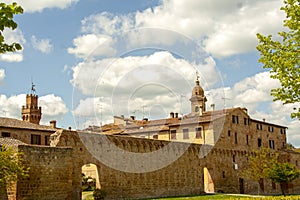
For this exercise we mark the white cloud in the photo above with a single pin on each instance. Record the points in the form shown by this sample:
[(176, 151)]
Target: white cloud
[(91, 45), (11, 57), (2, 76), (125, 74), (53, 107), (38, 6), (224, 28), (43, 45)]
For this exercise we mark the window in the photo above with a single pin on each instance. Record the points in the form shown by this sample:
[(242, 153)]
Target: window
[(235, 119), (173, 134), (223, 174), (5, 134), (199, 132), (246, 121), (282, 131), (247, 139), (235, 138), (185, 133), (233, 158), (35, 139), (259, 142), (47, 140), (229, 133), (259, 126), (155, 137), (271, 144), (196, 109), (270, 128)]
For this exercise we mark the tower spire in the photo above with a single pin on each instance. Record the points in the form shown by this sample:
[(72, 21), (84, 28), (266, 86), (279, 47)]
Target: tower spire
[(31, 112), (198, 98)]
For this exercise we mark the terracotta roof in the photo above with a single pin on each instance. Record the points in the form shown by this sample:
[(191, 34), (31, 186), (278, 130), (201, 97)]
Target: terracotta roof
[(15, 123), (10, 141)]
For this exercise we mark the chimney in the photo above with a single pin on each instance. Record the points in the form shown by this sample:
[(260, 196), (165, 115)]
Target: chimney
[(132, 117), (264, 120), (245, 110), (176, 115), (53, 123), (212, 107), (171, 115)]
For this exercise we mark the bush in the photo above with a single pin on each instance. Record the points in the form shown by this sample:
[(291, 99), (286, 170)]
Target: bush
[(99, 194)]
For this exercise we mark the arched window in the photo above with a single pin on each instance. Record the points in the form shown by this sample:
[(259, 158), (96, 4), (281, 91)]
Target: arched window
[(196, 109)]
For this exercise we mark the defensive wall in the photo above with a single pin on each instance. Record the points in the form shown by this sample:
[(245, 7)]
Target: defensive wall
[(131, 168)]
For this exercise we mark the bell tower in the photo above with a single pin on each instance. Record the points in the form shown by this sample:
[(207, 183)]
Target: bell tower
[(31, 112), (198, 99)]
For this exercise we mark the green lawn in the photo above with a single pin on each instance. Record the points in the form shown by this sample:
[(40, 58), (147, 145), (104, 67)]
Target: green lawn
[(89, 196)]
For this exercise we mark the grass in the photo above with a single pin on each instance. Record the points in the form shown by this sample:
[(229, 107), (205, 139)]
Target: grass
[(89, 196)]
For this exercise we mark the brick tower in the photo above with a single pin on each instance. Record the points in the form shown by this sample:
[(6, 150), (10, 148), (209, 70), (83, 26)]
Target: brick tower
[(198, 99), (31, 112)]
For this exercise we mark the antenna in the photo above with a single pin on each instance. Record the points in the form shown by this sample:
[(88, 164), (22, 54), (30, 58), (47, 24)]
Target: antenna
[(32, 87)]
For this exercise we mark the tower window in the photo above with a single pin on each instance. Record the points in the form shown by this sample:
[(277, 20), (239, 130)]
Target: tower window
[(196, 109)]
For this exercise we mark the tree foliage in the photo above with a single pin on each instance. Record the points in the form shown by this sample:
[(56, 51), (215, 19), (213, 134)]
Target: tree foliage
[(7, 13), (283, 173), (283, 57), (11, 166), (260, 161)]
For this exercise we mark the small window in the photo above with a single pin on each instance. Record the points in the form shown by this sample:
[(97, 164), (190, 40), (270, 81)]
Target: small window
[(246, 121), (259, 142), (235, 138), (282, 131), (259, 126), (229, 133), (223, 174), (185, 133), (270, 128), (235, 119), (5, 134), (173, 134), (233, 158), (47, 140), (296, 163), (271, 144), (199, 132), (155, 137), (196, 109), (35, 139), (247, 139)]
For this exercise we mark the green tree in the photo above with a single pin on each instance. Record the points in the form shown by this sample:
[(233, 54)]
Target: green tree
[(7, 13), (11, 166), (283, 57), (259, 163), (283, 173)]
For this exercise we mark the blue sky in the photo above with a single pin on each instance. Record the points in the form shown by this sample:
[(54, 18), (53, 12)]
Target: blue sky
[(94, 59)]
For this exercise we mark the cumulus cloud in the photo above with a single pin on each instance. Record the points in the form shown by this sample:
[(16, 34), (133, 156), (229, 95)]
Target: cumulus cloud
[(91, 45), (223, 28), (38, 6), (43, 45), (2, 76), (53, 107)]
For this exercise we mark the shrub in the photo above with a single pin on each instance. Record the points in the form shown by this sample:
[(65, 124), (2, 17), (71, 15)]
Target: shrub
[(99, 194)]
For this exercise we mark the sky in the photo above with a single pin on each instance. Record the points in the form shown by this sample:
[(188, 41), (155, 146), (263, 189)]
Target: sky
[(93, 59)]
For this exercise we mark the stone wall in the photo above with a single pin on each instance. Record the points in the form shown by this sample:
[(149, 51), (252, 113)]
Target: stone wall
[(133, 168), (50, 174)]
